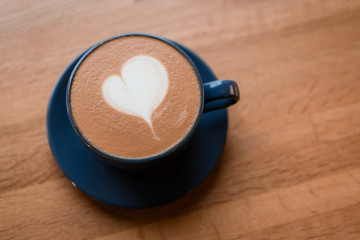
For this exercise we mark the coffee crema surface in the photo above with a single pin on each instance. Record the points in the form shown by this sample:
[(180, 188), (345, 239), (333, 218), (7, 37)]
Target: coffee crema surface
[(135, 97)]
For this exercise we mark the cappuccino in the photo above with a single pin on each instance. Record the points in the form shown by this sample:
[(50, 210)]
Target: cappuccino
[(135, 97)]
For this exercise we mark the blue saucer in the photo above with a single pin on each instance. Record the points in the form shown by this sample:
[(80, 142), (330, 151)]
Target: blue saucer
[(117, 186)]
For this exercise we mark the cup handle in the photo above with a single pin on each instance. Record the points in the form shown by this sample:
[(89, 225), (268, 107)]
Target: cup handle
[(220, 94)]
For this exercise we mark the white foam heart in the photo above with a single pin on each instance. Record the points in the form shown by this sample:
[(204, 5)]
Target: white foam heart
[(140, 89)]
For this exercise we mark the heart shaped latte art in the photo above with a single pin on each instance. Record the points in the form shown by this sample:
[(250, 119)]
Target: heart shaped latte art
[(140, 89)]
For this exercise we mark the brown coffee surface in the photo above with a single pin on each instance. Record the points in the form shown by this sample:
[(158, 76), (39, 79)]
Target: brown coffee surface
[(129, 136)]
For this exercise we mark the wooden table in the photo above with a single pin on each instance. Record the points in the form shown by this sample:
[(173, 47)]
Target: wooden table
[(291, 165)]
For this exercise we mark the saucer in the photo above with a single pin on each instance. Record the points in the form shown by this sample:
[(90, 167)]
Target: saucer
[(119, 187)]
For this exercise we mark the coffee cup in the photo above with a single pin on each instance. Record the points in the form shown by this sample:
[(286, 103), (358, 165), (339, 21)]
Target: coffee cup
[(136, 100)]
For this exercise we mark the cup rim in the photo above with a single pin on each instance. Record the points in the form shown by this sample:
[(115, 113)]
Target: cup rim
[(125, 160)]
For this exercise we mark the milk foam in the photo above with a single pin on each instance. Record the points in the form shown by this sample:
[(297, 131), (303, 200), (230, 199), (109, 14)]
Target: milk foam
[(140, 89)]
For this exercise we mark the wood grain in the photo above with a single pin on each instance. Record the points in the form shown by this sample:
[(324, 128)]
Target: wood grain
[(291, 165)]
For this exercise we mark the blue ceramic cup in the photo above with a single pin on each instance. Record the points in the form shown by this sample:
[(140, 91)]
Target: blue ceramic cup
[(215, 95)]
